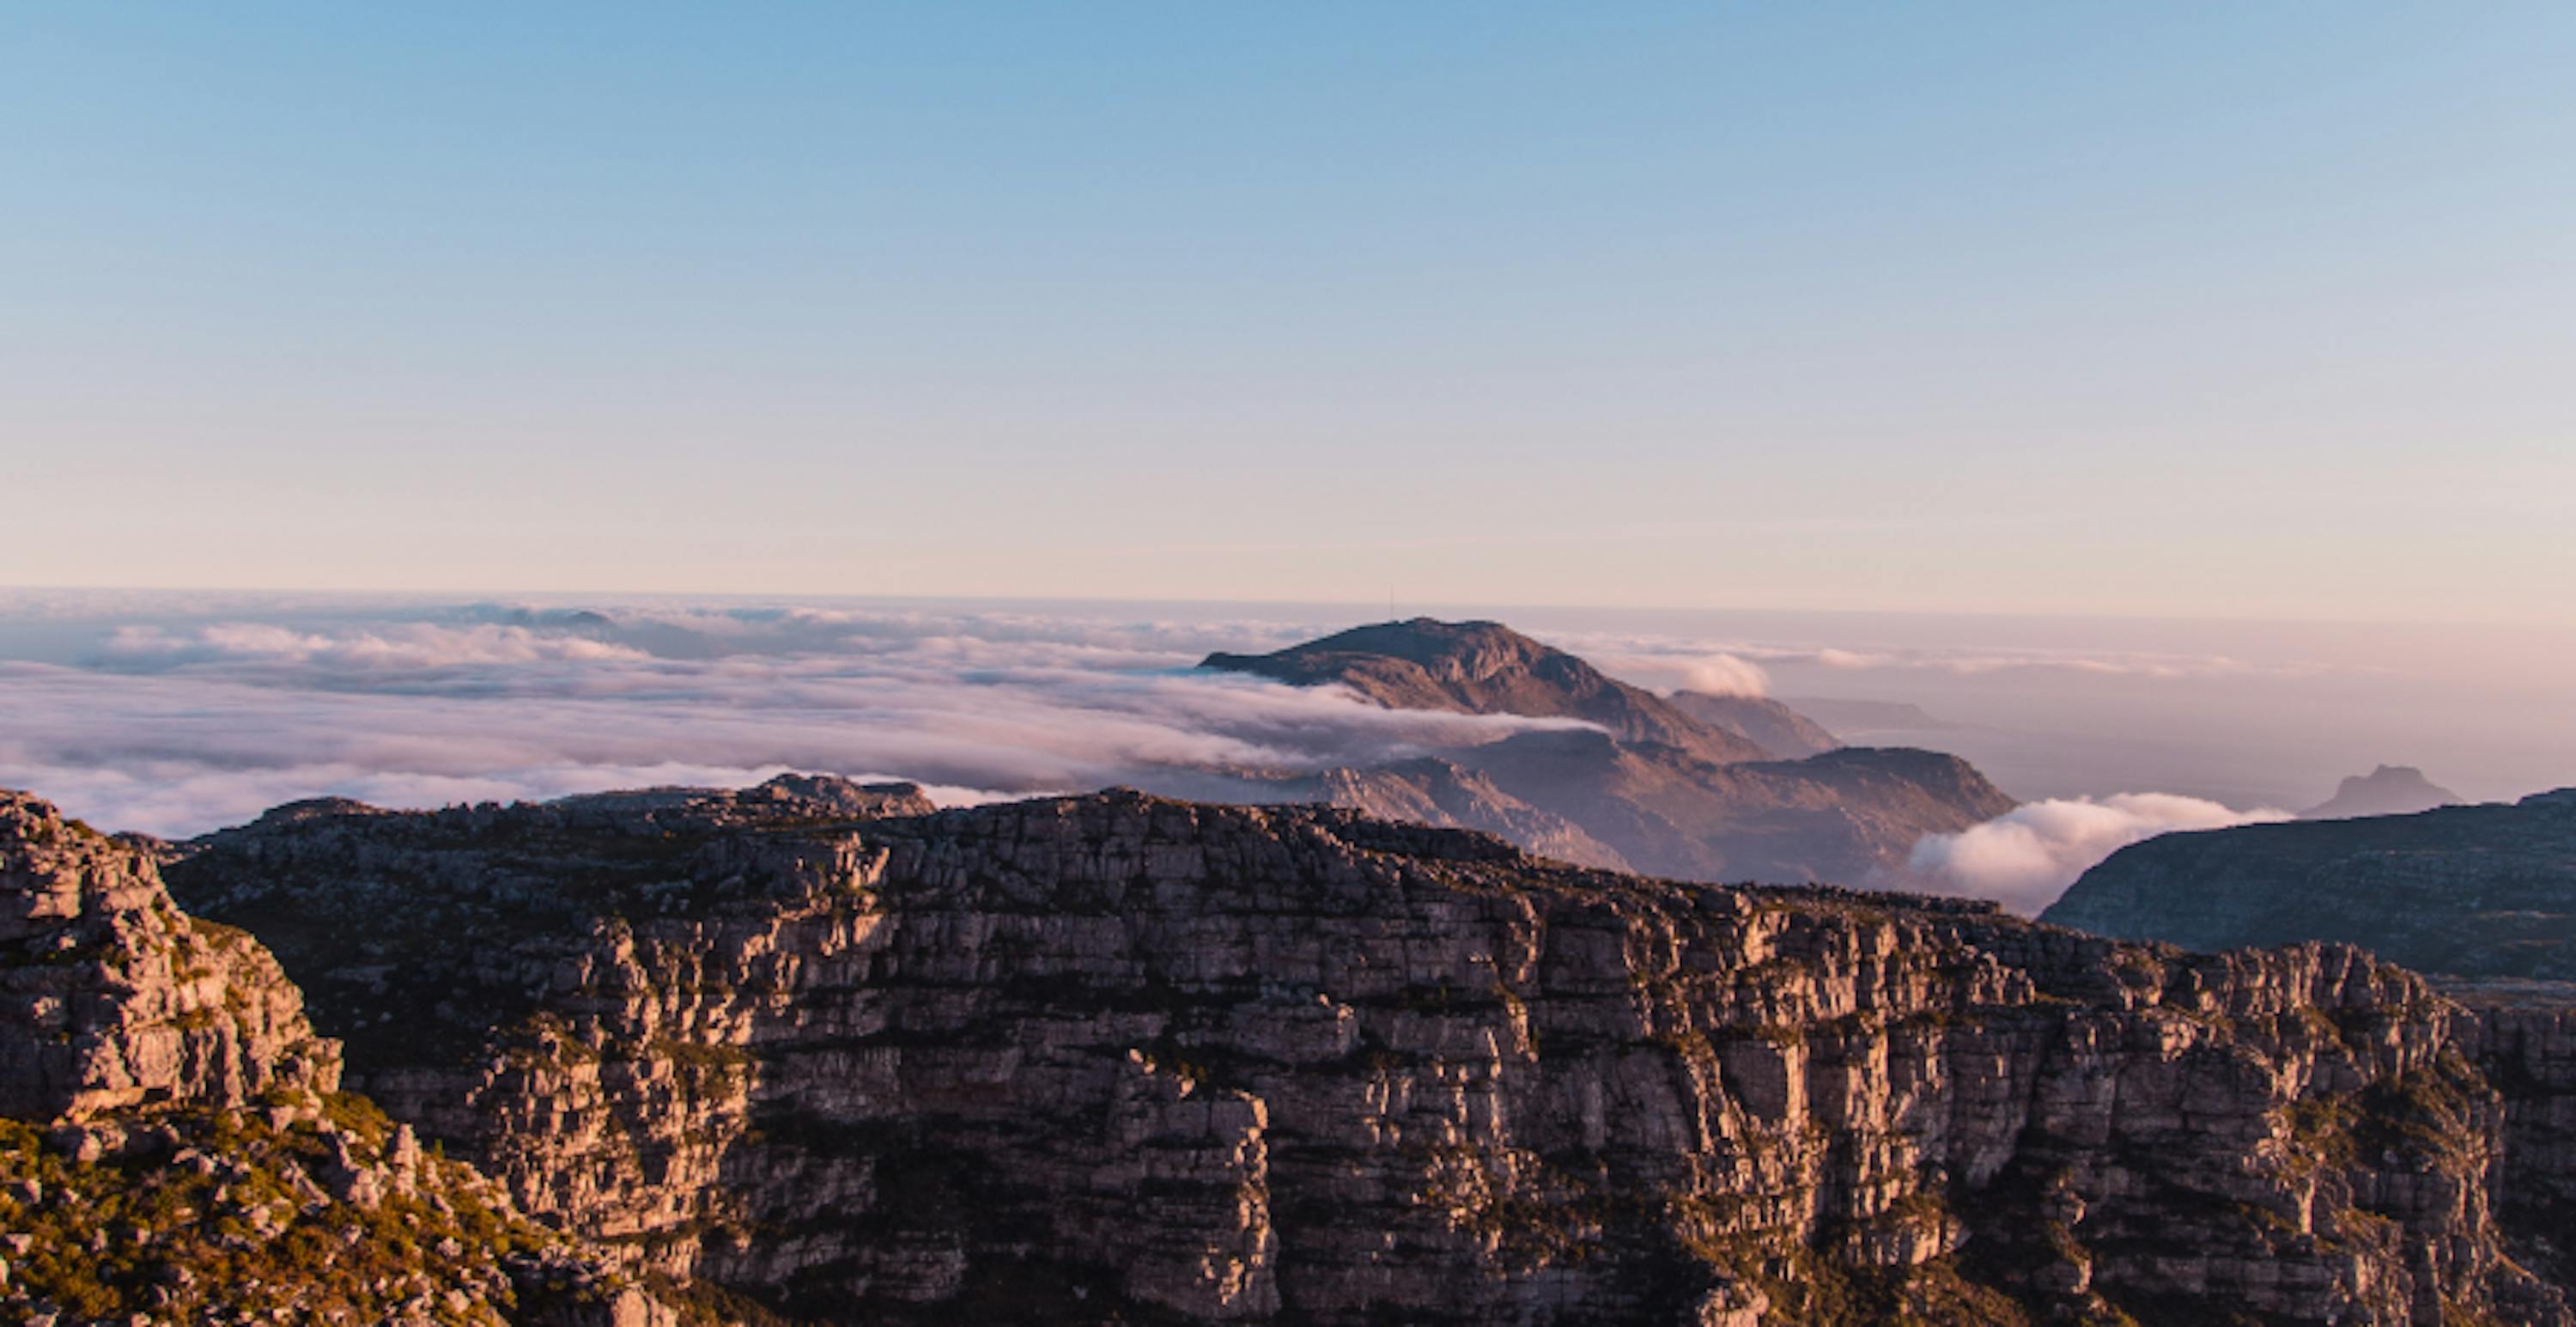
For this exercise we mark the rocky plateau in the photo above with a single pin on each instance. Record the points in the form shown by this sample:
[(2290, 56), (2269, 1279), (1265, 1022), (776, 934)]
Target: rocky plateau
[(813, 1052)]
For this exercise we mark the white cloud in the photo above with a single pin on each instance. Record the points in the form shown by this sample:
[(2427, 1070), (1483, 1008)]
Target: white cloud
[(1716, 673), (399, 645), (176, 727), (2028, 856)]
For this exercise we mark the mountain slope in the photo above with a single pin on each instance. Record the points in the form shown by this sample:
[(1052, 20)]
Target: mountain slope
[(1486, 668), (1666, 787), (1766, 723), (1441, 793), (1852, 814), (2474, 890), (1114, 1058)]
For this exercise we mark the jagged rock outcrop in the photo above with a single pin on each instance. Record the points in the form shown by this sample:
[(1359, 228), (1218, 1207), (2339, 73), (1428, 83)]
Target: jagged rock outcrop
[(1766, 723), (1118, 1058), (113, 999), (1487, 668), (2389, 790), (174, 1147), (2480, 891)]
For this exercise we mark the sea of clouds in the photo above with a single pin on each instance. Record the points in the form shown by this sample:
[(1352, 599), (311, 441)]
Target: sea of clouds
[(136, 716), (176, 728)]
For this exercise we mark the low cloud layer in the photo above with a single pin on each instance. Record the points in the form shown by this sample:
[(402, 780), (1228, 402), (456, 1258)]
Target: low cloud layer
[(1715, 674), (2028, 856), (175, 727), (1742, 667), (176, 714)]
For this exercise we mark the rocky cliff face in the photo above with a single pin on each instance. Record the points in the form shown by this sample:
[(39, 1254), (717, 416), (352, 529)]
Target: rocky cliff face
[(114, 999), (1117, 1058), (2483, 891), (174, 1147)]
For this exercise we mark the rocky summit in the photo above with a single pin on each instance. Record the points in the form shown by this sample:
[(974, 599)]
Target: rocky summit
[(810, 1053), (2476, 891)]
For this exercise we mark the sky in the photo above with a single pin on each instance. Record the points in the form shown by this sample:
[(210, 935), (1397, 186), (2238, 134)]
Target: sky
[(2218, 312)]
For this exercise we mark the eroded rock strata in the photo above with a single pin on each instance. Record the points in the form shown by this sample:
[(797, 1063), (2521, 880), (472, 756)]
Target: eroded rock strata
[(174, 1146), (1117, 1058)]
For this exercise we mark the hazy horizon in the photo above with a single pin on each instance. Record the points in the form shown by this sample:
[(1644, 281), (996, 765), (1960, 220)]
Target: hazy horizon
[(176, 713)]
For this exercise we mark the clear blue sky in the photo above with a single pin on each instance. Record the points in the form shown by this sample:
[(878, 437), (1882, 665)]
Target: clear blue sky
[(2262, 310)]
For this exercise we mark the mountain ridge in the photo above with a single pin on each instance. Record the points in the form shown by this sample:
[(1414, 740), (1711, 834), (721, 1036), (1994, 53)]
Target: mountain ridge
[(2478, 891)]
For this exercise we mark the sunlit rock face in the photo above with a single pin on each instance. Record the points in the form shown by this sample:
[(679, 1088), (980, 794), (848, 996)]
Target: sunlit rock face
[(117, 1000), (1115, 1057), (174, 1147)]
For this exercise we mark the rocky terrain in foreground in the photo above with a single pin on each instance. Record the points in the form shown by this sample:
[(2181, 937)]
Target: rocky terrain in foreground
[(808, 1052), (1694, 786), (174, 1146), (2476, 891)]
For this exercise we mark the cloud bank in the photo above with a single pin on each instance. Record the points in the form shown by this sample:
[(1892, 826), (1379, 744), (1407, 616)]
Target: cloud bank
[(178, 714), (175, 727), (2028, 856)]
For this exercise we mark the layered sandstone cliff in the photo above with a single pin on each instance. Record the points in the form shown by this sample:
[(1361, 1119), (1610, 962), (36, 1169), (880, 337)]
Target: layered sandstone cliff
[(1117, 1058), (174, 1147)]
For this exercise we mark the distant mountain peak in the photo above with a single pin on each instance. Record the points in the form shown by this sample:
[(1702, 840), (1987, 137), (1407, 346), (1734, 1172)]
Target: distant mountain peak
[(2389, 790), (1487, 668), (1677, 786)]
